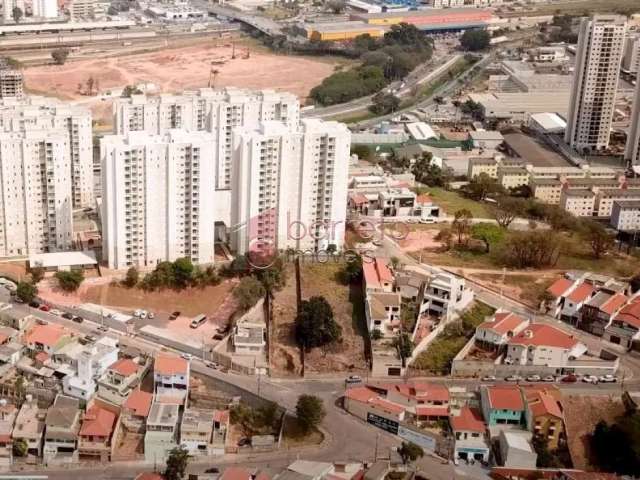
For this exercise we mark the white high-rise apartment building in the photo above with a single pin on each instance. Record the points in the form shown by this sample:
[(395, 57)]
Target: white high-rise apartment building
[(598, 56), (215, 111), (632, 150), (8, 7), (290, 186), (631, 57), (36, 213), (157, 202), (45, 8), (39, 113)]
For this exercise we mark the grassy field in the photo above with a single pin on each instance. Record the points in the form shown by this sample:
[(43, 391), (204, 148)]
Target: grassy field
[(584, 7), (451, 201)]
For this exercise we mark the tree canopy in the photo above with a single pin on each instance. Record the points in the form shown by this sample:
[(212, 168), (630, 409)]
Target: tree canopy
[(176, 464), (410, 452), (384, 103), (309, 412), (315, 325), (475, 40), (488, 233), (60, 55), (248, 292), (26, 291), (70, 281)]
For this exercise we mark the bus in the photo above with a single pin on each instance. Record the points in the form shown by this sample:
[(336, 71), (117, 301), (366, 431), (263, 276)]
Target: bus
[(198, 320)]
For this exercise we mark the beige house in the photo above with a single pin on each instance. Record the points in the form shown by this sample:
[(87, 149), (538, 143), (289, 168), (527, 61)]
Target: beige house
[(62, 425), (29, 425), (578, 202), (119, 380), (8, 413), (546, 190), (513, 177)]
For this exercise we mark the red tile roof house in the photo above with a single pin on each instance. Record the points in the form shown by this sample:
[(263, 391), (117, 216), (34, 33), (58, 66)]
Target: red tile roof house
[(119, 380), (496, 331), (135, 410), (364, 401), (543, 345), (597, 313), (95, 434), (170, 379), (573, 302), (469, 431), (428, 402), (625, 326), (558, 290), (377, 276), (46, 338), (240, 473), (502, 405)]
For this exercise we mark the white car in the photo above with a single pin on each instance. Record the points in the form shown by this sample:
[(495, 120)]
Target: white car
[(55, 311), (489, 378), (513, 378), (152, 315), (427, 220), (590, 379), (533, 378), (608, 379), (549, 378), (137, 313), (186, 356)]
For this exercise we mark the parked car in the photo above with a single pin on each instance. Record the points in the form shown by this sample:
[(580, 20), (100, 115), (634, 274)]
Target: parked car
[(549, 378), (55, 311), (244, 442), (90, 338), (533, 378), (353, 380), (45, 308), (152, 315), (39, 321), (174, 315), (34, 304), (67, 315), (212, 470), (571, 378), (78, 319), (427, 220), (488, 378), (608, 379), (590, 379), (513, 378), (213, 365), (103, 328), (218, 336), (186, 356)]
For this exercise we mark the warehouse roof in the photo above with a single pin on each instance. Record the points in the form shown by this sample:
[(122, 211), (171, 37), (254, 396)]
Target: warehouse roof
[(63, 259)]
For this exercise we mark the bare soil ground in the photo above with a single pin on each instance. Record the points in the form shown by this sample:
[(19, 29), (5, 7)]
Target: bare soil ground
[(348, 308), (526, 287), (581, 414), (190, 301), (13, 270), (451, 134), (174, 70)]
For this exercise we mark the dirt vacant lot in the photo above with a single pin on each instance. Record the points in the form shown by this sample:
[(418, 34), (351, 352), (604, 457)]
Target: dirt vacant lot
[(581, 414), (348, 309)]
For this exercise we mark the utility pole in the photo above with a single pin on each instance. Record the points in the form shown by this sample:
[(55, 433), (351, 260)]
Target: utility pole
[(375, 453)]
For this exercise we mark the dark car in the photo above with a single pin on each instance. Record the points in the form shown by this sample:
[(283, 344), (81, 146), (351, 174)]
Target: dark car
[(570, 379), (45, 308), (212, 470), (243, 442), (34, 304), (174, 315), (78, 319), (67, 315)]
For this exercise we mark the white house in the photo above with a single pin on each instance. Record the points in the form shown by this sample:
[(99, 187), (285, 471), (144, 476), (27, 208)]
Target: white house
[(573, 302), (541, 344), (444, 293), (499, 329), (170, 378), (469, 431), (90, 363)]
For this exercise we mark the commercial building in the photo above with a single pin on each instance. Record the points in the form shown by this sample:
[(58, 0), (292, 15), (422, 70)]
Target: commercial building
[(45, 8), (453, 19), (342, 31), (598, 56), (632, 149), (518, 107), (625, 216), (158, 204), (46, 114), (214, 111), (486, 139), (35, 187), (82, 9), (290, 186)]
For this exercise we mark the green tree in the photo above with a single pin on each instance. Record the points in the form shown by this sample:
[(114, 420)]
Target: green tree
[(70, 281), (362, 151), (60, 55), (315, 325), (132, 277), (481, 186), (597, 236), (37, 274), (176, 464), (353, 269), (309, 412), (488, 233), (384, 103), (445, 236), (533, 249), (365, 42), (430, 174), (26, 291), (336, 6), (20, 447), (461, 223), (274, 277), (507, 209), (248, 292), (17, 14), (129, 90), (404, 346), (410, 452), (182, 272), (476, 110), (475, 40)]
